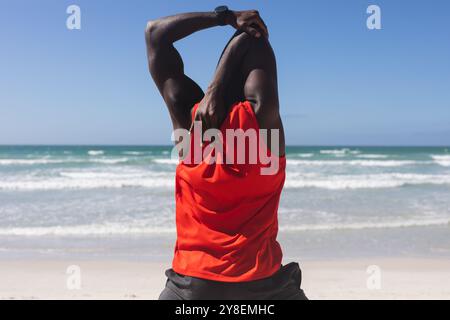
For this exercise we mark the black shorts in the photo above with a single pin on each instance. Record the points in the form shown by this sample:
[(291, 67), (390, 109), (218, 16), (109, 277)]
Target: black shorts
[(283, 285)]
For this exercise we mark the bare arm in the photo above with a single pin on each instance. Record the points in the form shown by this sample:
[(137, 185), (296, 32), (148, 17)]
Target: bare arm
[(255, 60), (261, 88), (213, 109), (166, 65)]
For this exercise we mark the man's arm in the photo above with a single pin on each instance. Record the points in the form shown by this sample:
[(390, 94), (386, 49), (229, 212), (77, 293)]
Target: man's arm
[(166, 65), (261, 89), (255, 59), (213, 108)]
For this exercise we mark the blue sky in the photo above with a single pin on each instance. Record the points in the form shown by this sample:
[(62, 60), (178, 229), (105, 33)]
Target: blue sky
[(340, 83)]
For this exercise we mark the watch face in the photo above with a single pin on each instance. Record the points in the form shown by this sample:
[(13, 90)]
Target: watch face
[(221, 9)]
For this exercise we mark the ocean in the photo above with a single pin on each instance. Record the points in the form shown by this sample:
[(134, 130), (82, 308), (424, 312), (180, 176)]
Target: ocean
[(111, 201)]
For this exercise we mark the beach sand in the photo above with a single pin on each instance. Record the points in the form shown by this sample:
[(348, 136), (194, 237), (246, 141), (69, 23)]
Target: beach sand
[(414, 278)]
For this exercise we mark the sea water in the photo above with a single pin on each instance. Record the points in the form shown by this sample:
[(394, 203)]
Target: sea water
[(119, 201)]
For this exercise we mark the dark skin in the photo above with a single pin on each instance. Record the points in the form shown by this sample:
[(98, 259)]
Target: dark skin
[(246, 71)]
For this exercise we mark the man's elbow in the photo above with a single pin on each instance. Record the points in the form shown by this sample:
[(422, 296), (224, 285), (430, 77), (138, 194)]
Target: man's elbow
[(152, 31)]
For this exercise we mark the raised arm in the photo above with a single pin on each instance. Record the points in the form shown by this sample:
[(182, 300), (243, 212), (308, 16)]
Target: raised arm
[(261, 89), (225, 88), (166, 65), (246, 71)]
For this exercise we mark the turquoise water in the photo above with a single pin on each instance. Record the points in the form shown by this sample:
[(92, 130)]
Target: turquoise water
[(120, 198)]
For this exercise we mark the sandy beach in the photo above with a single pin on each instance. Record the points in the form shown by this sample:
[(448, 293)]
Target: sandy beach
[(341, 279)]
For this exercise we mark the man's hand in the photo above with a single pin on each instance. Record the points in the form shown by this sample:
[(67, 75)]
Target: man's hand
[(211, 111), (248, 21)]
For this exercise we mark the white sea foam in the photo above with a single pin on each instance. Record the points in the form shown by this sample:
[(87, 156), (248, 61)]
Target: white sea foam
[(340, 152), (374, 181), (9, 162), (88, 183), (100, 175), (305, 155), (143, 228), (443, 160), (37, 161), (372, 156), (86, 230), (362, 163), (165, 180), (368, 225), (166, 161), (96, 152), (109, 160), (134, 153)]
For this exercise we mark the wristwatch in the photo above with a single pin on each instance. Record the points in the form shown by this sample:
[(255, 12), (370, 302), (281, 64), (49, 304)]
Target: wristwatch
[(222, 12)]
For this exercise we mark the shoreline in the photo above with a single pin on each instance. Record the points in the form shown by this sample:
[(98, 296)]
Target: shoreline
[(400, 278)]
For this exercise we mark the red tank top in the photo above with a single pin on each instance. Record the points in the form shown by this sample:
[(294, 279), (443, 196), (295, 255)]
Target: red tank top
[(227, 214)]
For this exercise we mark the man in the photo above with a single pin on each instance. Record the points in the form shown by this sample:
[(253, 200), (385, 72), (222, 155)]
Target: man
[(226, 213)]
